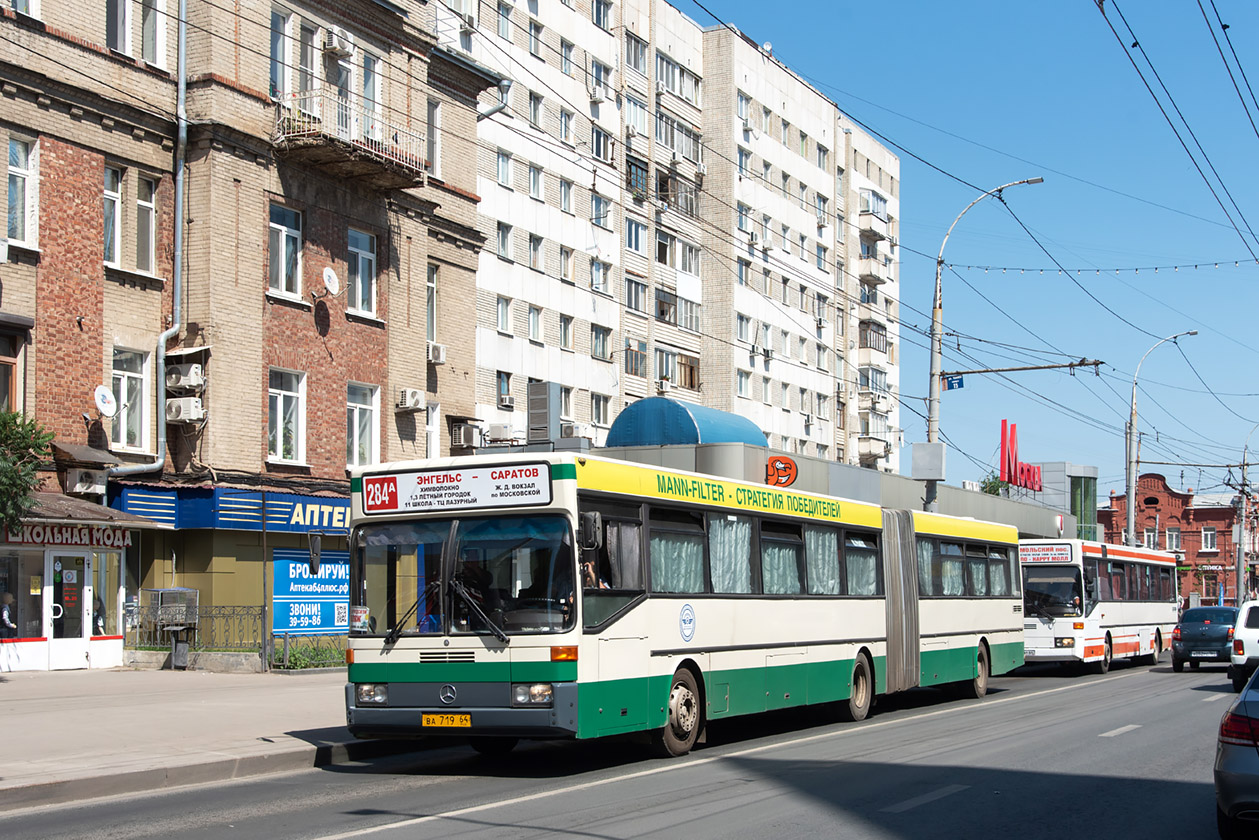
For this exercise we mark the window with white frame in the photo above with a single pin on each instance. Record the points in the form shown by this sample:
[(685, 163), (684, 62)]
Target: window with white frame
[(535, 38), (744, 161), (566, 126), (309, 59), (535, 109), (566, 264), (566, 402), (767, 394), (504, 167), (535, 323), (688, 314), (636, 115), (502, 384), (872, 379), (636, 357), (285, 247), (742, 327), (430, 326), (600, 144), (601, 276), (823, 157), (535, 252), (600, 409), (743, 383), (567, 64), (535, 182), (372, 127), (281, 26), (872, 202), (742, 105), (767, 120), (566, 196), (635, 53), (666, 244), (504, 21), (743, 271), (804, 144), (504, 240), (784, 396), (113, 215), (131, 420), (566, 332), (688, 258), (744, 217), (601, 342), (1208, 539), (361, 408), (823, 407), (286, 416), (635, 236), (601, 78), (23, 191), (601, 210), (503, 314), (821, 257), (635, 295), (432, 139), (152, 31), (1149, 538), (601, 14), (362, 265), (146, 224), (823, 357)]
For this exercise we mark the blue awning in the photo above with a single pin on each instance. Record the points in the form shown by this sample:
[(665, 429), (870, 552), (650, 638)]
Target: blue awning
[(659, 421)]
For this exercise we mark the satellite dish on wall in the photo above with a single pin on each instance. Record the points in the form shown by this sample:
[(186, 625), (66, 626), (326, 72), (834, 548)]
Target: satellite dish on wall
[(331, 282), (105, 402)]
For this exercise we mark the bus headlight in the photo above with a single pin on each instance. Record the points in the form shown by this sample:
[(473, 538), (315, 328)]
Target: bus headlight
[(531, 694), (1064, 641), (371, 694)]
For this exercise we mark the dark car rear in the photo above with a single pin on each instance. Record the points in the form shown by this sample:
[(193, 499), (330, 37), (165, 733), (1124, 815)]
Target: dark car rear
[(1204, 634)]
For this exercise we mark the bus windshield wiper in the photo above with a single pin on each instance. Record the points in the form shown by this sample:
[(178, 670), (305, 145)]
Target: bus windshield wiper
[(462, 592), (396, 632), (1036, 604)]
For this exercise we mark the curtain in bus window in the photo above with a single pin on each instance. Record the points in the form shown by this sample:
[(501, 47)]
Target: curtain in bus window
[(730, 553), (1118, 587), (821, 553), (998, 572), (976, 571), (861, 560), (1104, 590), (621, 541), (926, 558), (780, 567), (1165, 584), (951, 580), (677, 562)]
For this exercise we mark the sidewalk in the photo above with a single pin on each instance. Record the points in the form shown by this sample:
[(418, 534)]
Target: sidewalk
[(73, 735)]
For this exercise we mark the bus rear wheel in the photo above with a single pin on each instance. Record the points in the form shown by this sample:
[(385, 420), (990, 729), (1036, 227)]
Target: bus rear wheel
[(978, 686), (862, 695), (681, 727), (1152, 657)]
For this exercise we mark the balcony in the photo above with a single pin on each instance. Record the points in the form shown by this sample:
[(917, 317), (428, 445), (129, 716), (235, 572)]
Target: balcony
[(873, 270), (872, 225), (871, 447), (347, 141)]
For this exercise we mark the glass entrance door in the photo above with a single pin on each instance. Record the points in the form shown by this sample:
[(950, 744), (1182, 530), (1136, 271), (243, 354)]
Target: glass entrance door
[(68, 591)]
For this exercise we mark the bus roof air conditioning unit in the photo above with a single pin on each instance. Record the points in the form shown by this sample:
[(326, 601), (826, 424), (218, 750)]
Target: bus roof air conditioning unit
[(184, 410)]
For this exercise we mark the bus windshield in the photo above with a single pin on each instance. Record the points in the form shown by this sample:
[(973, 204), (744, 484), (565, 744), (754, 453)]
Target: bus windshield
[(1052, 591), (496, 576)]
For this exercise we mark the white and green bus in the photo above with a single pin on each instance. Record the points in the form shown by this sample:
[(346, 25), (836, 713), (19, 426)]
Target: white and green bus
[(563, 595)]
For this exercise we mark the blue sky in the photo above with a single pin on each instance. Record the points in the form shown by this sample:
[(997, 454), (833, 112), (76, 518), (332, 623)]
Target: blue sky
[(986, 93)]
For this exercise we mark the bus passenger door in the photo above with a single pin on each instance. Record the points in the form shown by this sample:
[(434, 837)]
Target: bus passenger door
[(614, 611), (900, 576)]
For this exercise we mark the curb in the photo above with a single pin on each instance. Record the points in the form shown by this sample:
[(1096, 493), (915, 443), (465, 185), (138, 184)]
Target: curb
[(304, 757)]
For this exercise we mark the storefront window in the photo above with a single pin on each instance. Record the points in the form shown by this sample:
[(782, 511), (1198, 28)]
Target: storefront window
[(106, 579), (22, 576)]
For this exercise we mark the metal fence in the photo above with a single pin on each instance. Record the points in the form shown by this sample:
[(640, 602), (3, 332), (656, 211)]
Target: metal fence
[(291, 652), (236, 629)]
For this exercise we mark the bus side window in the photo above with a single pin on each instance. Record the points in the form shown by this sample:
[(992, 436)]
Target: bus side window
[(622, 556), (1090, 579)]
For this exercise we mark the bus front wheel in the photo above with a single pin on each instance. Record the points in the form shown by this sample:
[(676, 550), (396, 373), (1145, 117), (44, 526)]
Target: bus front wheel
[(1102, 665), (861, 695), (977, 687), (681, 727)]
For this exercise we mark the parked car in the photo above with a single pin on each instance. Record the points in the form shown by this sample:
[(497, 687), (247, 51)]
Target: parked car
[(1245, 658), (1237, 767), (1204, 634)]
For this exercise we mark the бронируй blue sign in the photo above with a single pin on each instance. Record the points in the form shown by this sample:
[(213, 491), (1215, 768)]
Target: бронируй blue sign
[(306, 604)]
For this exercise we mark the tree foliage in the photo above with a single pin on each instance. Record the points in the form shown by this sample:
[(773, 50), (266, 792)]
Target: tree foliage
[(992, 485), (24, 446)]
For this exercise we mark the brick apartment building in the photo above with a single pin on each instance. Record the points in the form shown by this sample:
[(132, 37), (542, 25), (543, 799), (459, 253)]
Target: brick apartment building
[(1198, 527)]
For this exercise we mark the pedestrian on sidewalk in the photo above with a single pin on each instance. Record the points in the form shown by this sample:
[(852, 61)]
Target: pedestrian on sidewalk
[(8, 617)]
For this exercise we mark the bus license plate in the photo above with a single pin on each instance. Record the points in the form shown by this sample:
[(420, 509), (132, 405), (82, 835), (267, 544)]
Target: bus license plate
[(461, 721)]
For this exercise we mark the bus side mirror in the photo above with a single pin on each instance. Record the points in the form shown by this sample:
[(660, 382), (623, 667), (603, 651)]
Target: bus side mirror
[(315, 541), (590, 530)]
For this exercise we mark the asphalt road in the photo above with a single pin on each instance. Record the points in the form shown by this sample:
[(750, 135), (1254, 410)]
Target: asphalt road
[(1044, 755)]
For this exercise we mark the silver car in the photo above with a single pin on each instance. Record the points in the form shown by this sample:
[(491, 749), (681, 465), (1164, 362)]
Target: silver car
[(1237, 767)]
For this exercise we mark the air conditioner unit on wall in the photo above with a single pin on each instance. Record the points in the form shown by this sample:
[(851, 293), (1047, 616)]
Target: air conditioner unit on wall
[(436, 353), (467, 22), (506, 401), (411, 399), (338, 42), (701, 169), (85, 481), (663, 386), (597, 95), (184, 377), (500, 433), (631, 130), (184, 410), (462, 436)]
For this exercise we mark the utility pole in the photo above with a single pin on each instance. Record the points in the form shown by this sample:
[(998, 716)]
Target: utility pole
[(1244, 510)]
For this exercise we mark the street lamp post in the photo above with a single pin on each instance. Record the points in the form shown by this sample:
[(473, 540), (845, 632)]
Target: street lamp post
[(1131, 489), (937, 337)]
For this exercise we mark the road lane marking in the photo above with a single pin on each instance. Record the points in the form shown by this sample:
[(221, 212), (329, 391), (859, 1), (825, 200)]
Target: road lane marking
[(924, 799), (1213, 698), (687, 764), (1121, 730)]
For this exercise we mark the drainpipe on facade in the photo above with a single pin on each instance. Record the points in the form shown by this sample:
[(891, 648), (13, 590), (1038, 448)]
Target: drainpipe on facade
[(177, 275), (504, 86)]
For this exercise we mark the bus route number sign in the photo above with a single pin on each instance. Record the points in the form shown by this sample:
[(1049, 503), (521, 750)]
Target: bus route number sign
[(380, 494)]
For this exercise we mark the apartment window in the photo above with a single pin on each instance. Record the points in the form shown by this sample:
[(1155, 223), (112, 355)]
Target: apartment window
[(635, 53), (744, 217), (601, 342), (566, 403), (285, 245), (872, 335), (823, 407), (767, 396), (601, 144), (804, 351), (636, 115), (566, 264), (309, 56), (286, 416), (872, 202), (372, 104), (535, 252), (635, 295), (130, 423), (151, 31), (502, 312), (113, 214), (744, 161), (666, 365), (666, 71), (146, 191), (10, 346), (599, 409), (281, 22), (804, 247), (361, 406), (689, 258), (601, 276), (823, 157), (432, 139), (635, 236), (535, 182), (535, 109), (431, 303), (803, 195), (22, 191), (601, 78), (601, 13), (743, 383), (767, 170), (566, 196), (504, 21), (786, 185), (688, 372), (823, 357), (636, 357), (535, 38), (601, 210), (686, 196), (504, 168), (666, 306), (1208, 539), (767, 120), (566, 126), (804, 144), (566, 332), (502, 385), (362, 280), (786, 133), (1173, 539), (535, 323), (869, 293), (666, 244), (742, 105), (504, 240), (784, 396), (872, 379), (742, 327), (743, 270), (1149, 538), (767, 232), (688, 312), (821, 257), (566, 58)]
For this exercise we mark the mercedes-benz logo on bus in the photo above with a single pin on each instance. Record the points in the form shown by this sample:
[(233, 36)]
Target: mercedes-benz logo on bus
[(447, 694)]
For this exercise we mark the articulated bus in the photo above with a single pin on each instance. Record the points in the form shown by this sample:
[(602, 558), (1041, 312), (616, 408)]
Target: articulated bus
[(1089, 602), (561, 595)]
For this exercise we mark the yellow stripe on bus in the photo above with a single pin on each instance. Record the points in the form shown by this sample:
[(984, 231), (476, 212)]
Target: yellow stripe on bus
[(948, 526), (655, 483)]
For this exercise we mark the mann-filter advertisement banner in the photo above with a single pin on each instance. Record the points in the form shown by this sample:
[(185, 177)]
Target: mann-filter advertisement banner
[(306, 604)]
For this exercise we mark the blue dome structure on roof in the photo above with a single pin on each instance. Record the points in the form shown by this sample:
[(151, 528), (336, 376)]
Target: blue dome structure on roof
[(659, 421)]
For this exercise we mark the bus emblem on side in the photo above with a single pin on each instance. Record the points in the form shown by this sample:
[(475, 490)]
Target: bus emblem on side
[(686, 623)]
